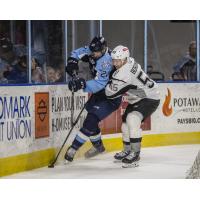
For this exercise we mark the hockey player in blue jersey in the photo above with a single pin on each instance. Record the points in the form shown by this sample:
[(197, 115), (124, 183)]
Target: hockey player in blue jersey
[(98, 107)]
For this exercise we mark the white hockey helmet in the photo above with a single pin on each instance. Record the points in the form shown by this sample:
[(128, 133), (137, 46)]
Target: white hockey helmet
[(120, 52)]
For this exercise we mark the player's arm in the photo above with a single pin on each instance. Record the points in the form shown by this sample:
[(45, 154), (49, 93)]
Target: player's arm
[(117, 88), (76, 55), (80, 52), (103, 67)]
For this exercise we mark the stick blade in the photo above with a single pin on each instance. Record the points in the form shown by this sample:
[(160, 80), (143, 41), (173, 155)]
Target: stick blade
[(51, 165)]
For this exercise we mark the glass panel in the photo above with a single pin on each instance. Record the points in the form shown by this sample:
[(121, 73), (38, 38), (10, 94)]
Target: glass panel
[(81, 32), (47, 51), (13, 52), (168, 50), (128, 33)]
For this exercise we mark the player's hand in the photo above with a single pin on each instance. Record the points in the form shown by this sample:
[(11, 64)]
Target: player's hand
[(77, 84), (72, 66), (85, 58)]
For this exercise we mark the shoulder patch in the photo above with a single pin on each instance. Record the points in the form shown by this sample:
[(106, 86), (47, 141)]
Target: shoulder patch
[(105, 64)]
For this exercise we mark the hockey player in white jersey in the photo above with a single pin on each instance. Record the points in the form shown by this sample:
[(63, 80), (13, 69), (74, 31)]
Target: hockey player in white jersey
[(143, 99)]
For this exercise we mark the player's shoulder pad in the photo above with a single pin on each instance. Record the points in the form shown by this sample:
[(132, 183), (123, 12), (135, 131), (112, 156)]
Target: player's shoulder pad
[(87, 48), (82, 49), (122, 74), (119, 74), (105, 61), (135, 66)]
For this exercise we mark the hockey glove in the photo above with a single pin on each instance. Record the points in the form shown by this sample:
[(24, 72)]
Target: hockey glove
[(85, 58), (77, 84), (72, 66)]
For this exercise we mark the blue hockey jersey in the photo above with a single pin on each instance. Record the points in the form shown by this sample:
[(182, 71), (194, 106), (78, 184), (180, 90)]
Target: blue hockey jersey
[(103, 68)]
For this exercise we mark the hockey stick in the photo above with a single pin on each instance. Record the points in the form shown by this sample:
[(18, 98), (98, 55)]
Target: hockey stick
[(51, 165), (72, 109), (74, 76)]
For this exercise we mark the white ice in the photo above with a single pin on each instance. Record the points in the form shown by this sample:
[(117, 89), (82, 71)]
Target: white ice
[(169, 162)]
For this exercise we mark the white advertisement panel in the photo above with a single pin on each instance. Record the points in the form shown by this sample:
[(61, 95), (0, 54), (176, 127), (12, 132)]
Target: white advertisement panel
[(33, 118), (179, 109)]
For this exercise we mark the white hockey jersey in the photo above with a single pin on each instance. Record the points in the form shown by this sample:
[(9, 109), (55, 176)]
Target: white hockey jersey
[(133, 81)]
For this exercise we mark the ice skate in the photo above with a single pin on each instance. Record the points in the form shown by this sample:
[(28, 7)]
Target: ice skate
[(132, 160), (94, 151), (120, 155), (69, 155)]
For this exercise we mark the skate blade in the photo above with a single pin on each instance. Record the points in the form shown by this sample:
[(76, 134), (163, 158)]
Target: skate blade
[(94, 155), (67, 162), (131, 165), (117, 161), (91, 156)]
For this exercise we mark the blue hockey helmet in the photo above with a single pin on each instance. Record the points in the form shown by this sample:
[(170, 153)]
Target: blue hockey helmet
[(98, 43)]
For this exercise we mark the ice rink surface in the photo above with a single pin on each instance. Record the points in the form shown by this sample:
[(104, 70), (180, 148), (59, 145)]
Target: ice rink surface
[(169, 162)]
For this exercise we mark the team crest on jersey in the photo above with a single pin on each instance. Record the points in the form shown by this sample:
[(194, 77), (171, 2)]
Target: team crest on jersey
[(105, 64)]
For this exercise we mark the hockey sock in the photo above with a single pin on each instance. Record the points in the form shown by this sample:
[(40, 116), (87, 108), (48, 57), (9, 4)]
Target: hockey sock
[(96, 140), (127, 146), (135, 144), (79, 140), (126, 137), (134, 122)]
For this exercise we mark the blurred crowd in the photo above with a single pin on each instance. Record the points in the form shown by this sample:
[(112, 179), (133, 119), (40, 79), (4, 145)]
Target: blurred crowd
[(14, 65), (46, 65)]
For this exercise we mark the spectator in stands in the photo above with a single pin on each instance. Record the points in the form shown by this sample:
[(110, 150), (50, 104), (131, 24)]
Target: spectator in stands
[(7, 57), (3, 67), (37, 72), (55, 74), (13, 63), (38, 76), (6, 51), (18, 73), (60, 71), (59, 77), (51, 75), (186, 68)]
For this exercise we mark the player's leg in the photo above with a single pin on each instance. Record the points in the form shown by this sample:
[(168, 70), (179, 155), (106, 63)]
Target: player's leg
[(125, 136), (134, 120), (97, 145), (90, 126), (137, 113), (126, 143), (101, 109)]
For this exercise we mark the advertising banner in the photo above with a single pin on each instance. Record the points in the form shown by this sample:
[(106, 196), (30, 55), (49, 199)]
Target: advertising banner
[(39, 117), (179, 110)]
